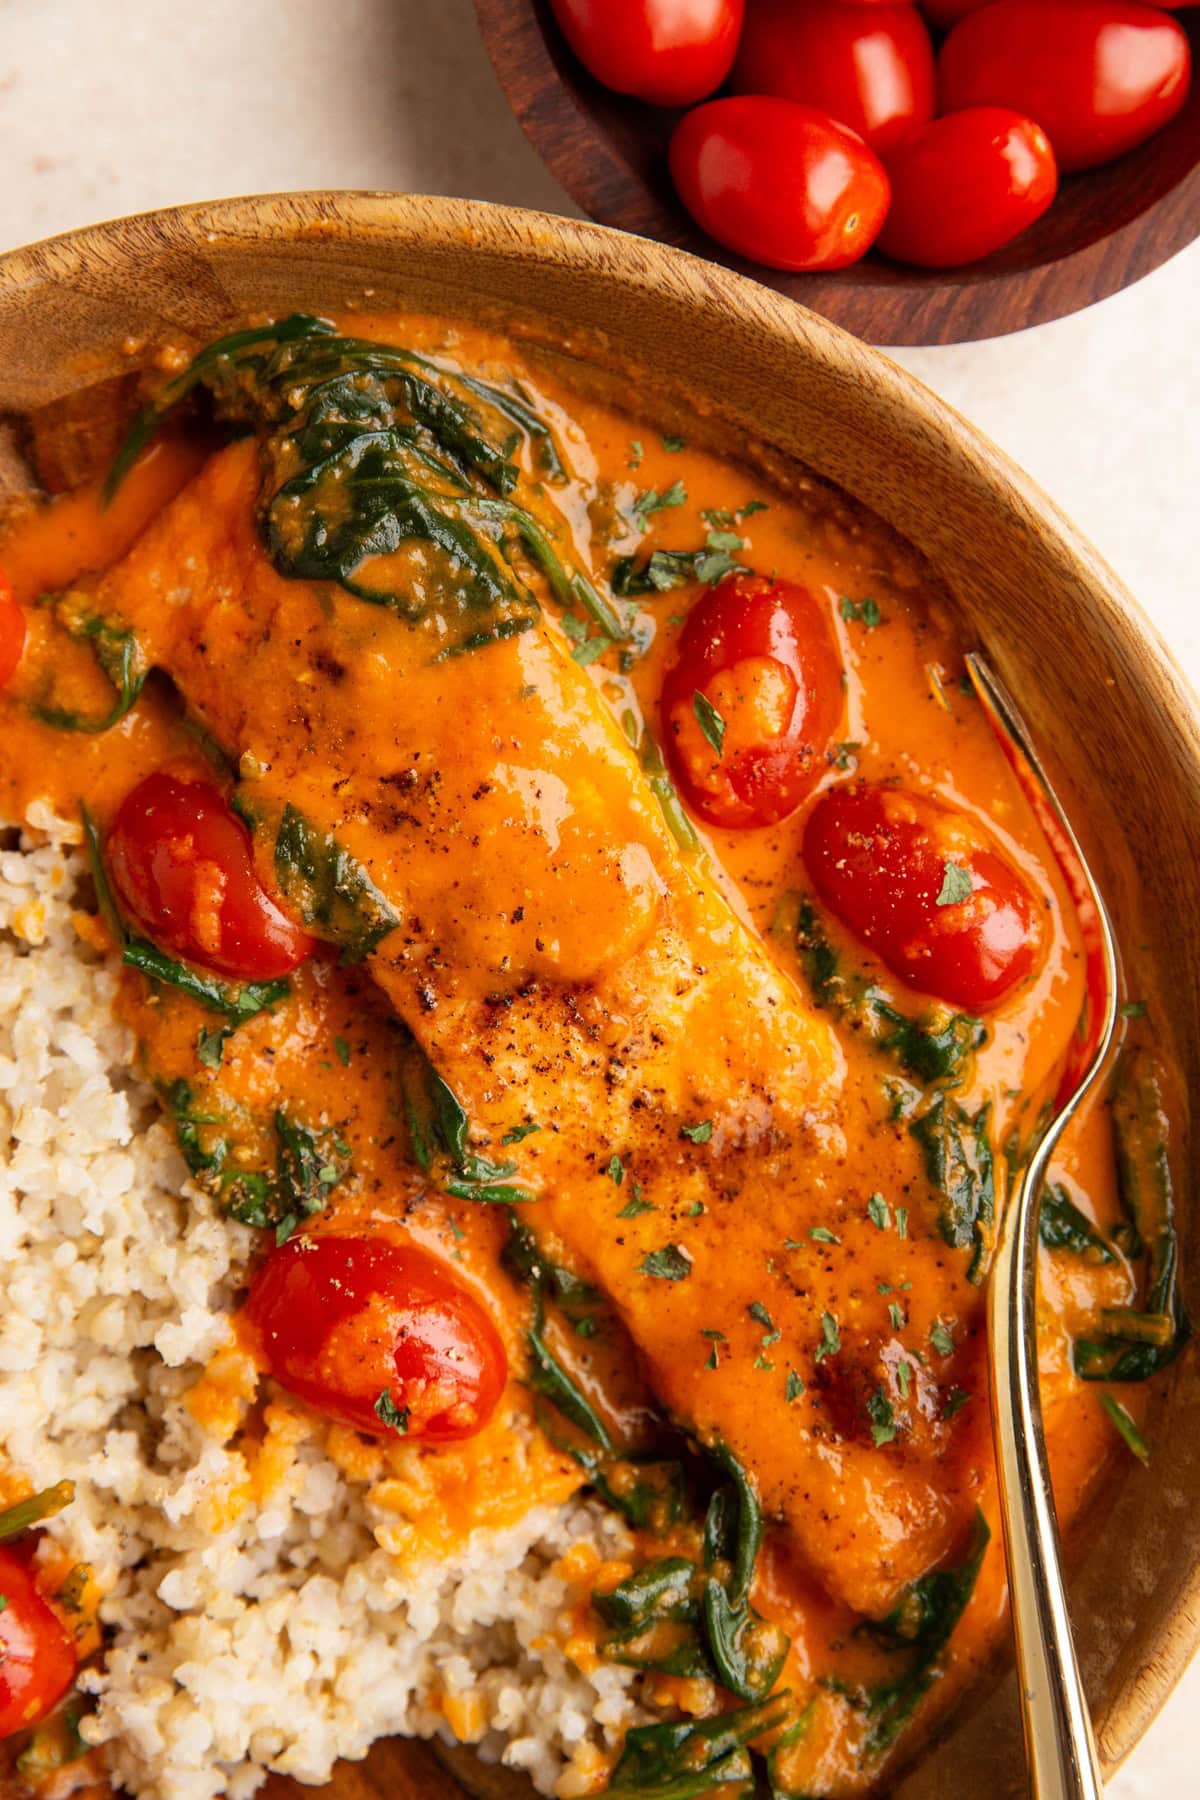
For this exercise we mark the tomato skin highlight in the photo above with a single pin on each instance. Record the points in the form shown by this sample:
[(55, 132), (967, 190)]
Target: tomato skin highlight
[(877, 857), (12, 631), (763, 655), (870, 69), (670, 52), (37, 1655), (1099, 76), (342, 1319), (780, 183), (180, 863), (965, 186)]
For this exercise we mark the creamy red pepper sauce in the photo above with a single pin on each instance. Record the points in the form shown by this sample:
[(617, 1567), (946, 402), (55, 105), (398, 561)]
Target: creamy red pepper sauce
[(691, 1161)]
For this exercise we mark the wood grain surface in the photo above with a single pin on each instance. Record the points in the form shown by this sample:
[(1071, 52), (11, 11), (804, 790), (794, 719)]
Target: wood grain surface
[(1107, 228), (765, 378)]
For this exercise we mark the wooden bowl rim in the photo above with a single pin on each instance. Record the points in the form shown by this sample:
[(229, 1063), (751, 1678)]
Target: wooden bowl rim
[(548, 93), (91, 253)]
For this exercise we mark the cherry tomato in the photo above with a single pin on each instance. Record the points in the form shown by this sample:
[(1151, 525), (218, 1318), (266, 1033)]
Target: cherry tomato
[(967, 184), (757, 665), (12, 631), (870, 69), (37, 1656), (779, 182), (1097, 75), (894, 866), (345, 1320), (671, 52), (180, 862)]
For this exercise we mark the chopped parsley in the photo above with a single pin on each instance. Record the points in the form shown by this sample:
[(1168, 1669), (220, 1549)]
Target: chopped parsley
[(955, 1400), (831, 1338), (636, 453), (698, 1134), (956, 885), (896, 1315), (904, 1375), (591, 650), (652, 501), (342, 1050), (519, 1132), (709, 720), (616, 1171), (636, 1205), (941, 1339), (394, 1417), (902, 1221), (672, 443), (821, 1234), (863, 612), (668, 1264), (761, 1316), (793, 1387), (879, 1212), (882, 1415)]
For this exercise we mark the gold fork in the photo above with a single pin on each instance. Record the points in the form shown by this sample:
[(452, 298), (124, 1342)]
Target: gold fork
[(1060, 1749)]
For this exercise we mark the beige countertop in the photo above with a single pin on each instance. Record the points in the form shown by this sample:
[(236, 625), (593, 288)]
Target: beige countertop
[(113, 108)]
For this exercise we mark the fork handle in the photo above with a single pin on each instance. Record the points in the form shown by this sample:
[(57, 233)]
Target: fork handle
[(1059, 1746)]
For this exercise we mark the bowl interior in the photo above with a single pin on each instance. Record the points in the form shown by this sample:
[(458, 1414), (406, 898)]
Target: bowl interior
[(1105, 702), (1107, 228)]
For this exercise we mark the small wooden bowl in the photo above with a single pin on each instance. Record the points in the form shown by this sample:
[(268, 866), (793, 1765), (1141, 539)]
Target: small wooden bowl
[(1107, 228), (1108, 707)]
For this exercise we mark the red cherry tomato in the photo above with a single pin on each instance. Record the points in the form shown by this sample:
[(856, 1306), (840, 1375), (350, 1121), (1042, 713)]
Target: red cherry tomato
[(967, 184), (671, 52), (12, 631), (870, 69), (1097, 75), (345, 1319), (779, 182), (180, 862), (37, 1655), (761, 657), (893, 866)]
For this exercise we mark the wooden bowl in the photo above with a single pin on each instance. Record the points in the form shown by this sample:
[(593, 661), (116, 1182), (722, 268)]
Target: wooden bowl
[(1111, 711), (1107, 228)]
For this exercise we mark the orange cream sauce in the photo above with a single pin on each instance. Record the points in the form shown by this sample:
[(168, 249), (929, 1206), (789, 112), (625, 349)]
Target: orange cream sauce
[(854, 1523)]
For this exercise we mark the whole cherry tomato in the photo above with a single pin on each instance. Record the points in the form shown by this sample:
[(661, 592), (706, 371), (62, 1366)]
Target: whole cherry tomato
[(870, 69), (345, 1321), (1097, 75), (180, 862), (757, 674), (671, 52), (779, 182), (37, 1655), (12, 631), (927, 889), (966, 185)]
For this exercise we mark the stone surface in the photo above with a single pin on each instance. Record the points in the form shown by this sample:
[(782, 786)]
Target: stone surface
[(141, 103)]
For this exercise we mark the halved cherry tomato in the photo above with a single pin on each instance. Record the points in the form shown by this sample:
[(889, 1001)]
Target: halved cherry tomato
[(671, 52), (346, 1320), (927, 889), (1097, 75), (180, 862), (779, 182), (12, 631), (869, 69), (37, 1655), (757, 663), (966, 185)]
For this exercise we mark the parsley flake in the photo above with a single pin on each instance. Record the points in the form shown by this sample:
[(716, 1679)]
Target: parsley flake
[(954, 1402), (793, 1388), (879, 1212), (343, 1051), (652, 501), (210, 1045), (393, 1416), (821, 1234), (831, 1338), (616, 1171), (668, 1264), (896, 1315), (956, 885), (902, 1221), (698, 1134), (882, 1416), (672, 443), (941, 1339), (863, 612)]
